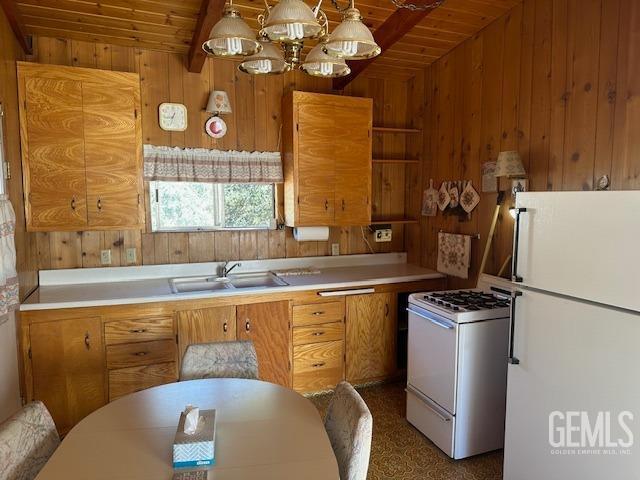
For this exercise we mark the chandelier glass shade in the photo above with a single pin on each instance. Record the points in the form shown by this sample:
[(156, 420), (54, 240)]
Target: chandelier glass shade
[(319, 64), (290, 21), (352, 39), (269, 61), (231, 36)]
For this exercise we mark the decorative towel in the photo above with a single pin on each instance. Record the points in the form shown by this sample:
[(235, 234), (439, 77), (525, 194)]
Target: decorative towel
[(454, 254), (8, 275)]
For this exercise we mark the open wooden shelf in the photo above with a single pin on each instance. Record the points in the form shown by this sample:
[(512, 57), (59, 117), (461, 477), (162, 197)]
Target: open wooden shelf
[(395, 160), (396, 130), (394, 221)]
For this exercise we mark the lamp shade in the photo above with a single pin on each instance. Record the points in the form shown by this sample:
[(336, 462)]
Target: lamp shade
[(291, 20), (268, 61), (352, 39), (218, 102), (320, 64), (231, 36), (509, 164)]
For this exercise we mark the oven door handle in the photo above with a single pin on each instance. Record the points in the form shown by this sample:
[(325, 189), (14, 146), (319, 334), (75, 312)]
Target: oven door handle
[(435, 321), (430, 404)]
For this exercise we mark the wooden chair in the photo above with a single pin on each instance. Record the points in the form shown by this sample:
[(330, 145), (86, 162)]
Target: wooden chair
[(220, 360), (27, 441), (349, 425)]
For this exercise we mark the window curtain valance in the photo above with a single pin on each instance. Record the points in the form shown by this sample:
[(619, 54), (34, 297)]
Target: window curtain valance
[(211, 166)]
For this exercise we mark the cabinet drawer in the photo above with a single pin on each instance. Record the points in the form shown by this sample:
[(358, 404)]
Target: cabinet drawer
[(133, 379), (317, 366), (325, 332), (138, 330), (317, 313), (143, 353)]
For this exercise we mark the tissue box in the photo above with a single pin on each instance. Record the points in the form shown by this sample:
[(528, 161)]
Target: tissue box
[(198, 449)]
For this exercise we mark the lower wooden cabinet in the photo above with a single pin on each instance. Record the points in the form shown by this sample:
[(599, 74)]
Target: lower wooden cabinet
[(269, 327), (371, 329), (205, 325), (318, 366), (67, 363)]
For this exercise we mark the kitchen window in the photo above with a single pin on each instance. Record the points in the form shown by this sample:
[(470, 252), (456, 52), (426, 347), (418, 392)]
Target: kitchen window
[(195, 206)]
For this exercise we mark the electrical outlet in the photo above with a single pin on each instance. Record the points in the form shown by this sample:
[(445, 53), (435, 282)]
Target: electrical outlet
[(383, 235), (131, 255), (335, 249), (105, 257)]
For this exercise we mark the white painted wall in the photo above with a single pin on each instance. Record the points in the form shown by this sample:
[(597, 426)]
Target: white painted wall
[(9, 380)]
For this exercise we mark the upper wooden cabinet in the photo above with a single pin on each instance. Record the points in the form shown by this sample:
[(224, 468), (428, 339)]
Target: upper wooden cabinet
[(327, 159), (81, 140)]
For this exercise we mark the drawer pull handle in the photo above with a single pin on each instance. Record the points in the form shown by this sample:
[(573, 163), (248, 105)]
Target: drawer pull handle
[(138, 330), (318, 313), (141, 354), (317, 334), (326, 204), (73, 203), (225, 327), (87, 341), (247, 326), (99, 204), (318, 365)]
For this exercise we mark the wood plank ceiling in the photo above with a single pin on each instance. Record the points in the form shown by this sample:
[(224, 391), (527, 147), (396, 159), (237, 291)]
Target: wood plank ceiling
[(169, 25)]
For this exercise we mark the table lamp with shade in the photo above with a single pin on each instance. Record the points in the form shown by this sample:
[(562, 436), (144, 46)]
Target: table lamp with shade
[(217, 105), (509, 165)]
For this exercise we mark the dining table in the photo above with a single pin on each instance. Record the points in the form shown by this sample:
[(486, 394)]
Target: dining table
[(263, 431)]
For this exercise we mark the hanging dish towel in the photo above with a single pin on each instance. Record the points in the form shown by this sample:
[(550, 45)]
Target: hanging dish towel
[(443, 196), (469, 198), (8, 275), (454, 254), (430, 201)]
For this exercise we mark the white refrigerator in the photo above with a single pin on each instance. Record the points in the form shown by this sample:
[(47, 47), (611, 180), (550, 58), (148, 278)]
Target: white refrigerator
[(573, 387)]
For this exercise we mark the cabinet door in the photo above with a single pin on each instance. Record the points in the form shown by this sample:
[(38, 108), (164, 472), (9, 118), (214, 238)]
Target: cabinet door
[(371, 336), (352, 153), (315, 154), (206, 325), (53, 154), (112, 149), (68, 368), (268, 326)]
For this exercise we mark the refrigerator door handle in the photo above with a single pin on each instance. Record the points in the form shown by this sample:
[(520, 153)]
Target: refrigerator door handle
[(516, 234), (512, 359)]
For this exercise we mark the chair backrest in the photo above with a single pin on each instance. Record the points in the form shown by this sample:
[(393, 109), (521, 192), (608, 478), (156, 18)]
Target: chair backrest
[(350, 426), (27, 441), (220, 360)]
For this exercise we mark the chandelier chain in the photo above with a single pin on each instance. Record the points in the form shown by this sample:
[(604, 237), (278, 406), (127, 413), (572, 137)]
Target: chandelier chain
[(412, 6)]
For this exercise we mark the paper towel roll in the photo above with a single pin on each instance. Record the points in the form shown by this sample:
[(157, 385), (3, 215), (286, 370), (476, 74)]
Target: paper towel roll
[(308, 234)]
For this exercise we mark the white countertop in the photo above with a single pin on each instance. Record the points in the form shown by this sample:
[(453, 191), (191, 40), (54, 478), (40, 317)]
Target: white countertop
[(128, 285)]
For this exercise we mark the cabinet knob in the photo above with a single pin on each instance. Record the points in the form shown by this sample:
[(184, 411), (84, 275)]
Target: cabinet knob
[(87, 341), (73, 203), (318, 334), (99, 204), (141, 354), (326, 204), (343, 204), (386, 309), (318, 313), (318, 365), (247, 326), (138, 330), (225, 327)]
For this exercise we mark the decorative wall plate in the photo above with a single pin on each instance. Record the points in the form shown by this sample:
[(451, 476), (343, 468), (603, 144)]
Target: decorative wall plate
[(215, 127)]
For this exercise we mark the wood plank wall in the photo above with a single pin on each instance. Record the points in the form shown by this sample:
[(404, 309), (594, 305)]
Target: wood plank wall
[(10, 51), (254, 125), (557, 80)]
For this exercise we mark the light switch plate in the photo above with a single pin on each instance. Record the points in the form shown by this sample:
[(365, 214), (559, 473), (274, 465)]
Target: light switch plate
[(105, 257), (335, 249), (383, 235), (131, 255)]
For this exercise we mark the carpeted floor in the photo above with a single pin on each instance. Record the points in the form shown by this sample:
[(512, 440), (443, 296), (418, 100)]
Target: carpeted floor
[(400, 452)]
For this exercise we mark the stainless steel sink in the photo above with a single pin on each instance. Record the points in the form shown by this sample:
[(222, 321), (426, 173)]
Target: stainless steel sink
[(238, 281), (198, 284), (256, 280)]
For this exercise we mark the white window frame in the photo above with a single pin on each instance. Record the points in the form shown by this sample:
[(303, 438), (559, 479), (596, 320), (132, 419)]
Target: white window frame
[(219, 212)]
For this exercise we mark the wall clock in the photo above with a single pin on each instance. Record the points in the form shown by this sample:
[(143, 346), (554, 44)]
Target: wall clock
[(172, 117), (215, 127)]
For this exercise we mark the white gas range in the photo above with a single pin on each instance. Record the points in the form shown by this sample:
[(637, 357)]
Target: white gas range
[(457, 367)]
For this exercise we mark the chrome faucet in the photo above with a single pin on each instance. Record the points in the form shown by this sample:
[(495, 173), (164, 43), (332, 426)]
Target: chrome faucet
[(225, 270)]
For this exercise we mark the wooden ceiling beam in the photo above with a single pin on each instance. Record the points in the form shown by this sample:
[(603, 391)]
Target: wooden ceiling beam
[(393, 29), (210, 13), (11, 12)]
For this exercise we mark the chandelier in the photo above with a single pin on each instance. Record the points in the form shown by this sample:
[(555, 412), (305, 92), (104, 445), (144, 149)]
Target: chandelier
[(284, 28)]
